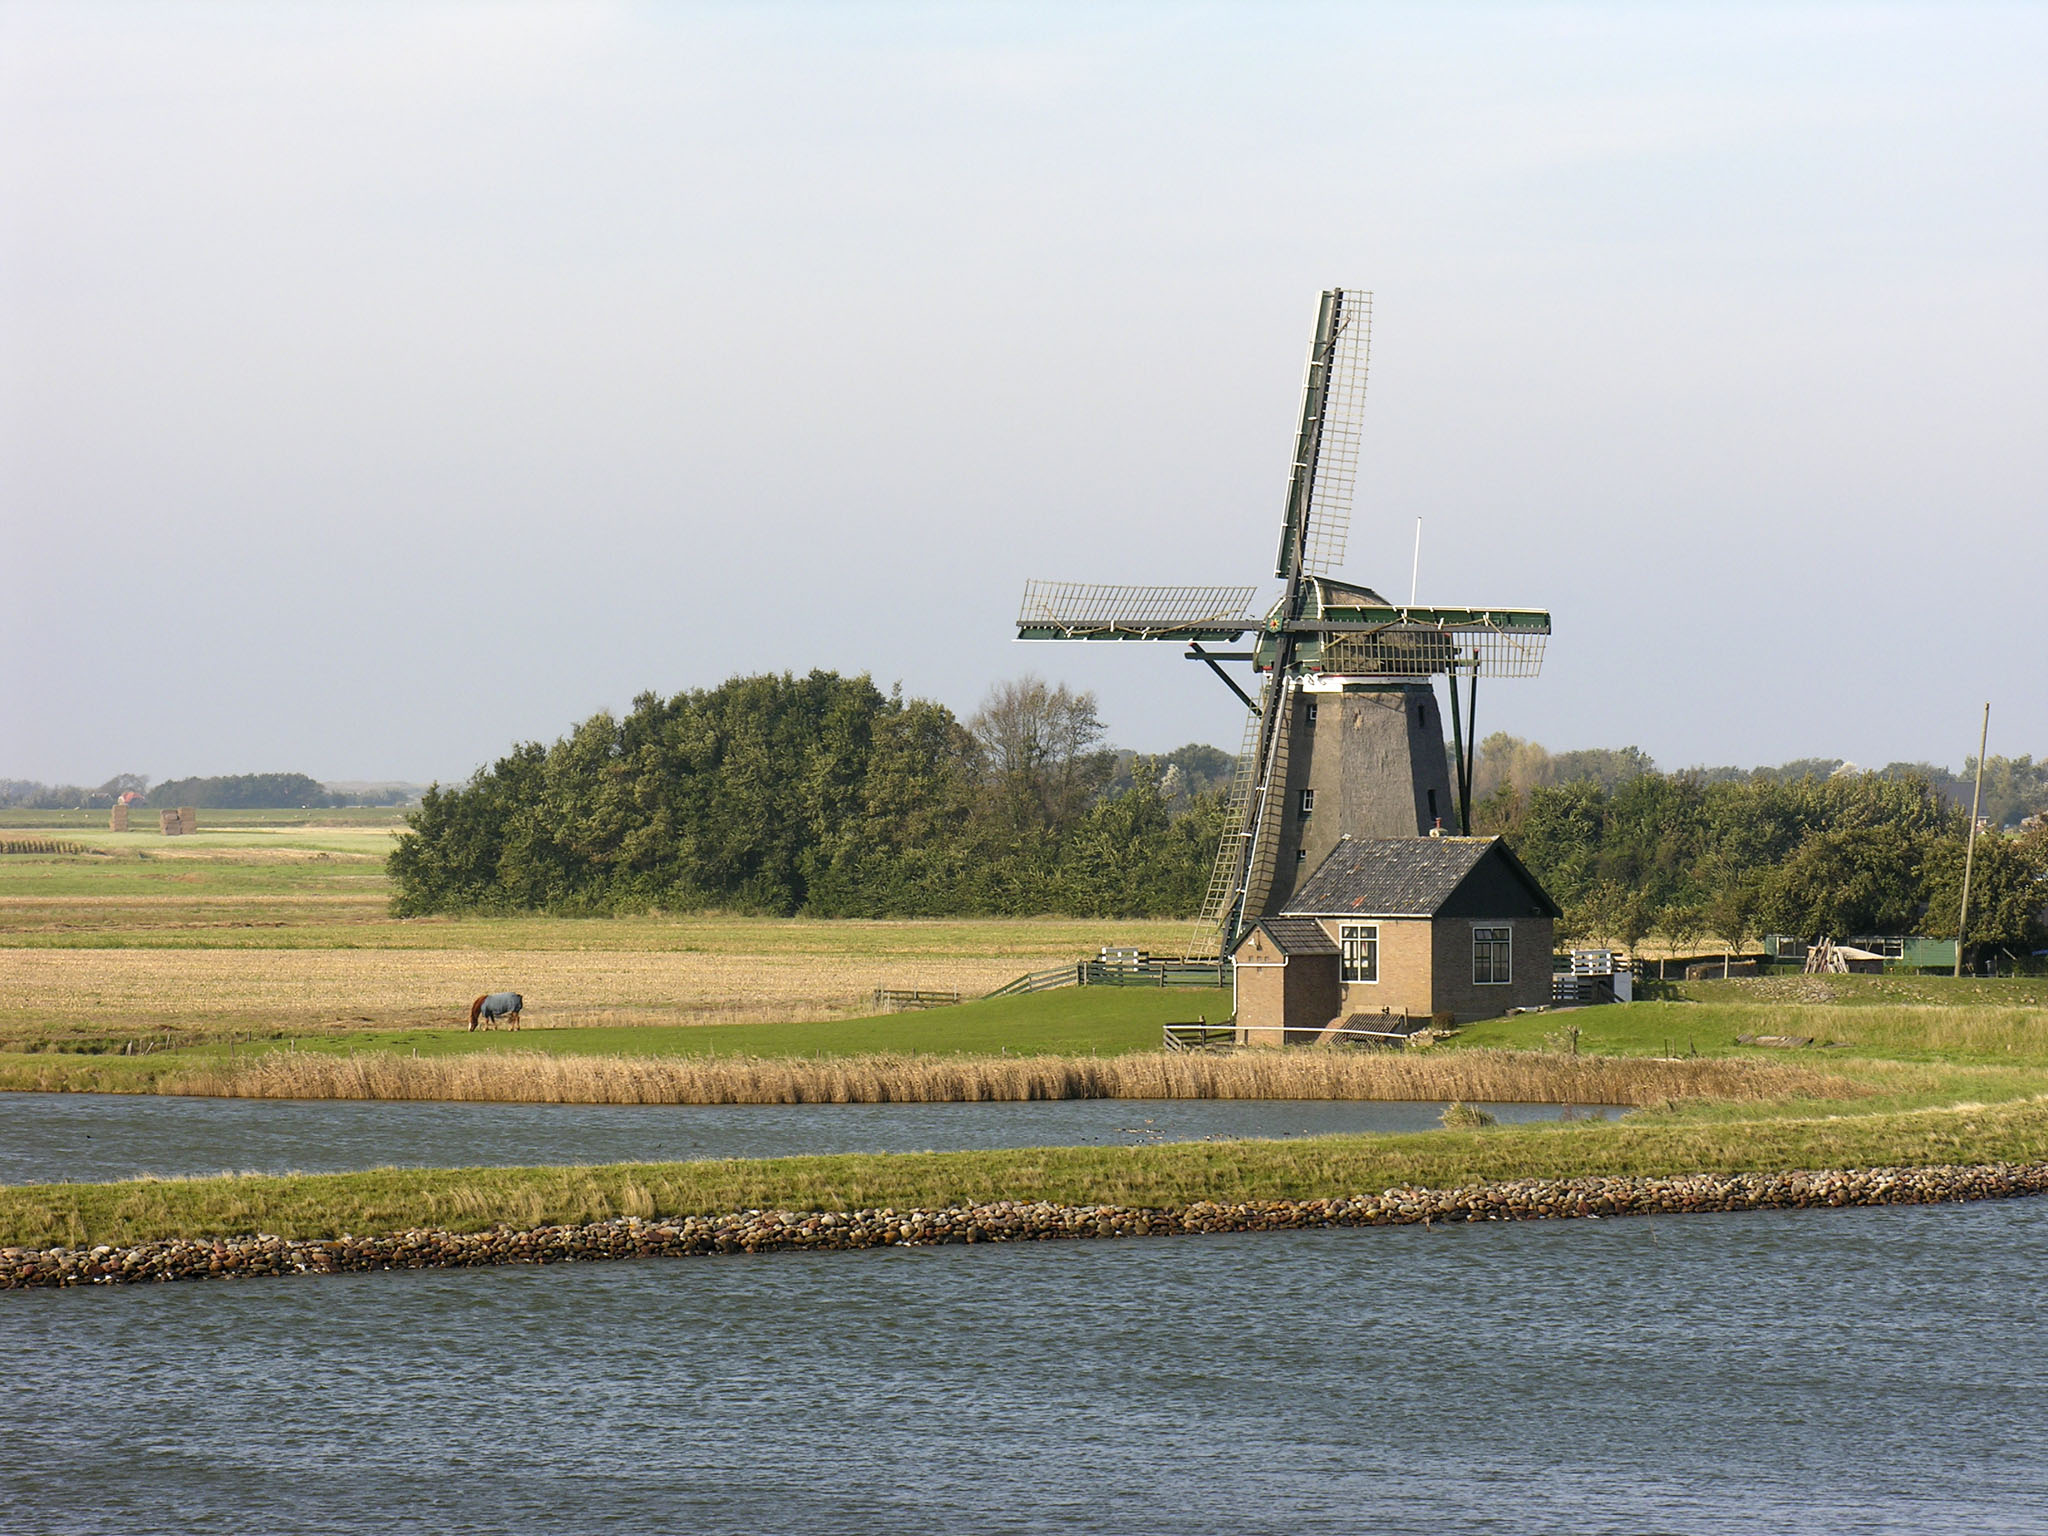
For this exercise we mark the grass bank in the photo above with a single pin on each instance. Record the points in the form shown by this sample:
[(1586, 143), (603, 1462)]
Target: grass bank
[(468, 1200)]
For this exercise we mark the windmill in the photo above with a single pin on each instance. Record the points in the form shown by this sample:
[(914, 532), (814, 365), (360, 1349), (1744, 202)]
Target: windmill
[(1345, 738)]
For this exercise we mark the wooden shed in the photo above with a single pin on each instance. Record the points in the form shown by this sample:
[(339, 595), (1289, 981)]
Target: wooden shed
[(1410, 927)]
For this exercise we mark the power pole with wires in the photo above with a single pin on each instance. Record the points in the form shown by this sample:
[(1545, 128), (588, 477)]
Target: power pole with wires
[(1970, 848)]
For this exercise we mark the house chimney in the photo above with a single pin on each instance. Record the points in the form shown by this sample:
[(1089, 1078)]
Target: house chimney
[(1438, 829)]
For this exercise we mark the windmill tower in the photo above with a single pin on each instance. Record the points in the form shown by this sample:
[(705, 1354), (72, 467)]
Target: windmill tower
[(1346, 736)]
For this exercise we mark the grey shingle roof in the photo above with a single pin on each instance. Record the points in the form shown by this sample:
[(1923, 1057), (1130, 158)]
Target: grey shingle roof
[(1298, 936), (1389, 876)]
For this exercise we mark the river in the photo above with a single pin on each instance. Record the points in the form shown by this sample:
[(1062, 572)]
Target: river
[(1875, 1370), (45, 1137)]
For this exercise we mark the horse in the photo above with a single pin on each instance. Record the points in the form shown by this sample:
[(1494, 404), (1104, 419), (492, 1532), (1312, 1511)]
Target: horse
[(495, 1006)]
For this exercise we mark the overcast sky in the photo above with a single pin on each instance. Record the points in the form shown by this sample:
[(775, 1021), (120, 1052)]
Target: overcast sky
[(381, 385)]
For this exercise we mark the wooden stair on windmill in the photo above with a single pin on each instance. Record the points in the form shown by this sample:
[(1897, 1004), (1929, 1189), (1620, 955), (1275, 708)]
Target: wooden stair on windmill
[(1268, 812), (1208, 940)]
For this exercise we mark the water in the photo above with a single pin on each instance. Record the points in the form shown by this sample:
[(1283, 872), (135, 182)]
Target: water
[(1869, 1370), (45, 1137)]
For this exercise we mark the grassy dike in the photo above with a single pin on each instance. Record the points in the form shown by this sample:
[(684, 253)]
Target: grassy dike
[(469, 1200)]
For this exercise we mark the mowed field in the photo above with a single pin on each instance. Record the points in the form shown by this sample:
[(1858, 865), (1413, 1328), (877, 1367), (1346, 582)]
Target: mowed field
[(278, 924)]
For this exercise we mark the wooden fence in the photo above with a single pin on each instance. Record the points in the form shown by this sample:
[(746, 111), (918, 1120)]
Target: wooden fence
[(1200, 1036), (898, 999), (1140, 973), (1042, 981)]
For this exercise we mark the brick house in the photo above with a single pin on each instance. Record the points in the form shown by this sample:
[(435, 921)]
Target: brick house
[(1401, 926)]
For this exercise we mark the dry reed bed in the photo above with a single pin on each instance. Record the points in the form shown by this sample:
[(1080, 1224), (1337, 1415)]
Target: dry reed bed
[(1472, 1076)]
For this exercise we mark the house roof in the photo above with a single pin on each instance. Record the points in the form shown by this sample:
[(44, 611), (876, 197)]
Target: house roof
[(1294, 936), (1401, 876)]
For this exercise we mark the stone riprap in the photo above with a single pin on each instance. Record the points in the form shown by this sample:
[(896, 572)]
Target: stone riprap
[(631, 1237)]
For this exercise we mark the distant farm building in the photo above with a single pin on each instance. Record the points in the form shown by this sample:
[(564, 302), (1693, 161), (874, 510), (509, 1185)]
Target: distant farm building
[(1912, 952), (1389, 933)]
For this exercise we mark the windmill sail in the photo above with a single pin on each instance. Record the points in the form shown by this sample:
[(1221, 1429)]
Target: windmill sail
[(1074, 610), (1313, 531), (1343, 424), (1347, 705), (1317, 523)]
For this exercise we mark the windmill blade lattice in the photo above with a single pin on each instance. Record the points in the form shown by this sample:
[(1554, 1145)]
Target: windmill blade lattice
[(1343, 426), (1423, 642), (1075, 610)]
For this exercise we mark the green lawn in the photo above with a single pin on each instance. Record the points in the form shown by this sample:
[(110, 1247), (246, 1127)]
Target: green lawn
[(1072, 1021), (1989, 1022)]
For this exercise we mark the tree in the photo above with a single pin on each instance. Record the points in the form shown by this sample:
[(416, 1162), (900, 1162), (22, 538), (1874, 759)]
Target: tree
[(2008, 890), (814, 794), (1847, 880), (1684, 923), (1628, 912), (242, 791), (1561, 839), (1499, 814), (1731, 912), (1040, 744)]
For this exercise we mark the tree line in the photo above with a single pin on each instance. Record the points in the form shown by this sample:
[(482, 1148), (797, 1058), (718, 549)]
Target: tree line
[(219, 792), (1691, 858), (821, 794), (2015, 788)]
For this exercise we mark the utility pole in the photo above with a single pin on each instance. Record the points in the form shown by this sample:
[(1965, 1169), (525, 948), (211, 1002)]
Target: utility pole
[(1970, 848)]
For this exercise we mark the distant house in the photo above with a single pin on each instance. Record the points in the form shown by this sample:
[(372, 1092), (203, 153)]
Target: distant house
[(1388, 929)]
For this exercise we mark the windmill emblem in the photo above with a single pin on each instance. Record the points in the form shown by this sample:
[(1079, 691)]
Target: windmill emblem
[(1346, 737)]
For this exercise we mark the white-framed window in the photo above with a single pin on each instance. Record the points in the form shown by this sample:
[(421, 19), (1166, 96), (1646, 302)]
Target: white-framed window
[(1311, 711), (1301, 855), (1308, 802), (1359, 946), (1492, 956)]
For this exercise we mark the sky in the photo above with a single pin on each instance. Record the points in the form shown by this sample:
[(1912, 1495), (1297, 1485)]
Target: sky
[(383, 385)]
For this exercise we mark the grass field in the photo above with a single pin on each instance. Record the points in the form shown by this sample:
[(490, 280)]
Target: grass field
[(1993, 1022), (282, 928), (259, 957)]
